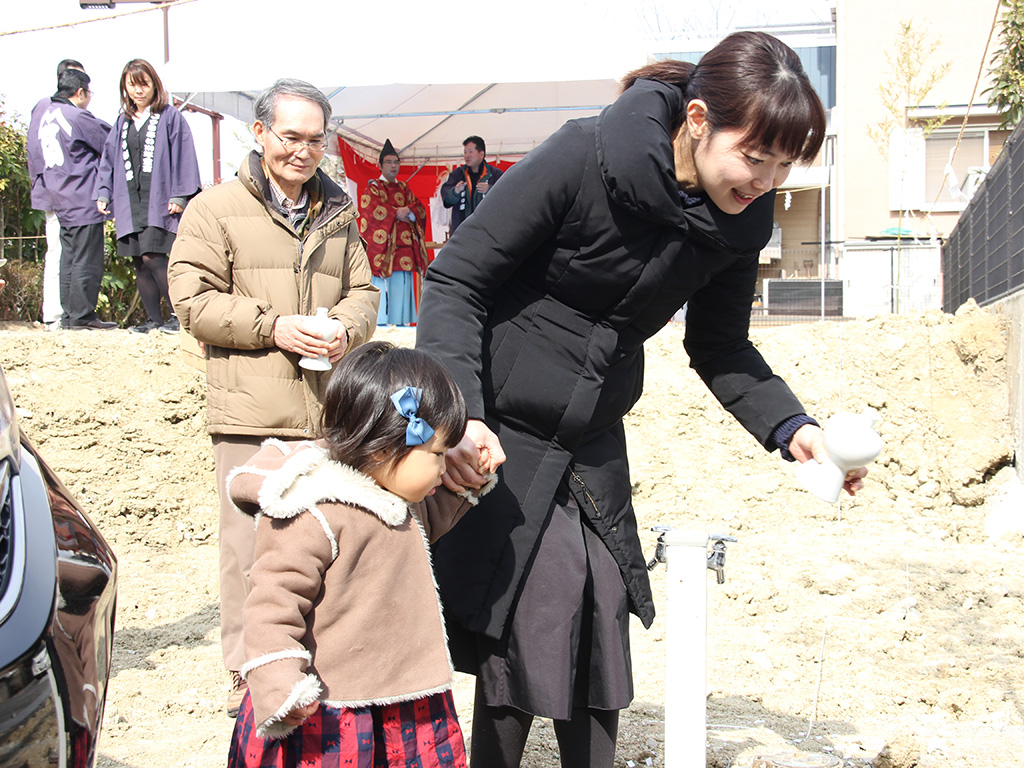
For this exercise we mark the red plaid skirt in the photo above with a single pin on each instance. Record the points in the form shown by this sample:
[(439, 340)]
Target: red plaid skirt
[(423, 733)]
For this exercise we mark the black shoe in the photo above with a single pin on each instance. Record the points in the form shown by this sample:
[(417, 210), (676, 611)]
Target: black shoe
[(94, 325), (146, 327), (172, 325)]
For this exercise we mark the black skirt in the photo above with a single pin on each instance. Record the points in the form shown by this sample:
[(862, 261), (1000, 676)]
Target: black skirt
[(149, 240), (566, 644)]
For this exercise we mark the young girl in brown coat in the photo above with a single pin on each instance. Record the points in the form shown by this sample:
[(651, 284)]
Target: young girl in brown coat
[(345, 642)]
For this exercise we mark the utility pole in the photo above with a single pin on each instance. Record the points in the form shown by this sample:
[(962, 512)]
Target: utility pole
[(109, 4)]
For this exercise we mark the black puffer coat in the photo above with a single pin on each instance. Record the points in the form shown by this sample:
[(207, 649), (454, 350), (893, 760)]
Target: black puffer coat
[(539, 307)]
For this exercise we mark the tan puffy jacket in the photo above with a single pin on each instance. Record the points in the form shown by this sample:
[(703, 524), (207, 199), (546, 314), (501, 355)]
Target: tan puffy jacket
[(236, 265)]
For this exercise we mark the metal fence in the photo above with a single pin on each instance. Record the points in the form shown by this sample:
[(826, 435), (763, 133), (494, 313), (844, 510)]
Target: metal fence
[(984, 256), (864, 279)]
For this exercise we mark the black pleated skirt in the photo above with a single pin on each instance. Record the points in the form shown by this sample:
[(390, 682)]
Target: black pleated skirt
[(149, 240)]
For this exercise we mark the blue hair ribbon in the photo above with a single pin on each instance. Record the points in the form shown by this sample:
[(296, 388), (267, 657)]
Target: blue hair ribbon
[(407, 403)]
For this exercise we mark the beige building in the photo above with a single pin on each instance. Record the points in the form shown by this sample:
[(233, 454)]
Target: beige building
[(838, 218), (872, 189)]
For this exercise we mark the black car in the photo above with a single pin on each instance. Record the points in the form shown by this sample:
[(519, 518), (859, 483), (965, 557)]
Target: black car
[(58, 585)]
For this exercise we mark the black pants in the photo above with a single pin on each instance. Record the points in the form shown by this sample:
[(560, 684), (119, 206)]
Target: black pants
[(81, 271)]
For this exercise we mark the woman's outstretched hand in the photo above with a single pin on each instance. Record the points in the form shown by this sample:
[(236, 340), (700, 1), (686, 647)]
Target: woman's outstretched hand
[(808, 444), (478, 454)]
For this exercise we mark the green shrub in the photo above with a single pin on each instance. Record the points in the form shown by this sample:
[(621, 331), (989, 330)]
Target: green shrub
[(22, 297)]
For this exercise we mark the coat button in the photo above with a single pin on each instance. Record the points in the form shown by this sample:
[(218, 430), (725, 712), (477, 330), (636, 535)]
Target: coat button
[(615, 529)]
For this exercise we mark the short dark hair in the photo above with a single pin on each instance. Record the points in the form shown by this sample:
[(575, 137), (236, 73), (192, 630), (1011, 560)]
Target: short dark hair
[(138, 69), (70, 81), (480, 146), (361, 425), (69, 64), (755, 82)]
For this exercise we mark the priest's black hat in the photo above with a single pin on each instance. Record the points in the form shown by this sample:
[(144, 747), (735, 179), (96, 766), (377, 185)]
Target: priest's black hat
[(387, 149)]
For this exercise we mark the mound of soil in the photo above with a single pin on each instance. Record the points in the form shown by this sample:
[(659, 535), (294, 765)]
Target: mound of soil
[(884, 629)]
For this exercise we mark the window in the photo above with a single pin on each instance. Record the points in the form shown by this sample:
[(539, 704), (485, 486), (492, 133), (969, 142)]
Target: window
[(917, 165)]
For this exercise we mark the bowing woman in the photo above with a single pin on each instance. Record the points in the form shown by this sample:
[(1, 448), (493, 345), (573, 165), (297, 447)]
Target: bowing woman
[(148, 173), (539, 306)]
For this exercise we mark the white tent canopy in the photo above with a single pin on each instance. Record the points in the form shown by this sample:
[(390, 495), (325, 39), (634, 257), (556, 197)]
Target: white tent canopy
[(428, 123)]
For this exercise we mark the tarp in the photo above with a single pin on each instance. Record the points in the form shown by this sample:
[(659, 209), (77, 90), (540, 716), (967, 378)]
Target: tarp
[(428, 123)]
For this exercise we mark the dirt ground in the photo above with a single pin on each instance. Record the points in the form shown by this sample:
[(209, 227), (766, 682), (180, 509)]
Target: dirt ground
[(885, 629)]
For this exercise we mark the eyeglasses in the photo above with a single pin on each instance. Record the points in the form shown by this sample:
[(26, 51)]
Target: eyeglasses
[(294, 145)]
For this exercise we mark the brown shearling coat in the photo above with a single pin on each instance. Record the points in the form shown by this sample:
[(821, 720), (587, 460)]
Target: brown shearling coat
[(343, 605)]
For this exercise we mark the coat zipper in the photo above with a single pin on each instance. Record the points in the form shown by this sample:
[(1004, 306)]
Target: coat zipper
[(586, 491), (324, 223)]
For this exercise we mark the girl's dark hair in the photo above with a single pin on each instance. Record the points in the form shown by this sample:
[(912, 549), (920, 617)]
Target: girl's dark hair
[(361, 425), (139, 69), (754, 82)]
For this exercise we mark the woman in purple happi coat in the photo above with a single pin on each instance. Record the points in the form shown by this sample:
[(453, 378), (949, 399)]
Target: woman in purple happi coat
[(149, 171)]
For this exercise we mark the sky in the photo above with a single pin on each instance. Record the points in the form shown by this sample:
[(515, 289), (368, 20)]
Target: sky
[(246, 44)]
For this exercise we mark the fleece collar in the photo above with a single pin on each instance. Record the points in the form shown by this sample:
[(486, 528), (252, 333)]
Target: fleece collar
[(304, 477)]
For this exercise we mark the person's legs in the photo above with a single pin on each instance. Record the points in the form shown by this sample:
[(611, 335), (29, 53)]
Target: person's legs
[(588, 739), (91, 267), (381, 284), (64, 278), (81, 271), (158, 268), (499, 734), (403, 300), (157, 263), (237, 538), (52, 309), (148, 285)]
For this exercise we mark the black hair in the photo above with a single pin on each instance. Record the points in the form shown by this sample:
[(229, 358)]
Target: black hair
[(754, 82), (71, 81), (481, 147), (69, 64), (361, 425)]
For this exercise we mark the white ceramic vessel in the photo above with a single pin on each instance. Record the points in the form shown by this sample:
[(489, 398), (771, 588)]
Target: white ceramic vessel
[(851, 441), (327, 329)]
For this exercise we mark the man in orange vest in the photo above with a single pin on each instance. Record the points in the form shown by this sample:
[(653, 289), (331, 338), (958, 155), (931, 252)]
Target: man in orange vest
[(466, 186)]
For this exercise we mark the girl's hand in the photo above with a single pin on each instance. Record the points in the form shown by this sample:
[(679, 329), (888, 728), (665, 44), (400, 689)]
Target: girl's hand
[(299, 715), (478, 453), (809, 443), (102, 207), (173, 208)]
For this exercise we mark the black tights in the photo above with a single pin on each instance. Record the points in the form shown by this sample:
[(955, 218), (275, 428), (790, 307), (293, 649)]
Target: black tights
[(499, 735), (151, 280)]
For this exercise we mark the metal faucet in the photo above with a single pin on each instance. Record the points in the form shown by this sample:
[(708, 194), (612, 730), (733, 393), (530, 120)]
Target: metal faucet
[(716, 559)]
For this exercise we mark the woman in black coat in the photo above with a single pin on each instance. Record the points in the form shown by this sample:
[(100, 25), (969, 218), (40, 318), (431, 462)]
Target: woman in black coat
[(539, 306)]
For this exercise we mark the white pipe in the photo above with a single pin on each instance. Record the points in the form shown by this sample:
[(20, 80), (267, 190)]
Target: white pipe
[(686, 553)]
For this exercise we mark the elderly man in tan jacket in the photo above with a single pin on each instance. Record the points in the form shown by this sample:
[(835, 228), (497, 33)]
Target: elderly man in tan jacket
[(253, 260)]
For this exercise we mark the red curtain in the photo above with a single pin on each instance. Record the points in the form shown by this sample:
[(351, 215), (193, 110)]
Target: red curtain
[(423, 182)]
